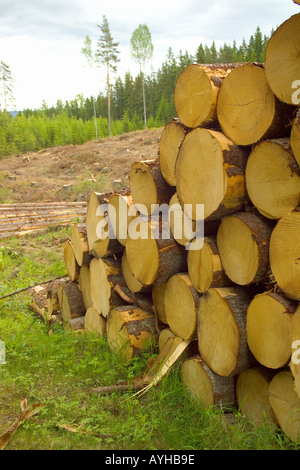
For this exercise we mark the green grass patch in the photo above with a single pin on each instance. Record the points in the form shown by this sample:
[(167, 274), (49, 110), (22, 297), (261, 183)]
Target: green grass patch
[(58, 368)]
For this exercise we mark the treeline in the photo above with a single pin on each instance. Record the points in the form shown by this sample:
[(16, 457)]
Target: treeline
[(83, 119)]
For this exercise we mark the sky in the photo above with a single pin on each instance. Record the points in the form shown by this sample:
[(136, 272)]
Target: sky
[(41, 40)]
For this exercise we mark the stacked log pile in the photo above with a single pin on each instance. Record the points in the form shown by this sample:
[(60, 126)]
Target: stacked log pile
[(229, 282)]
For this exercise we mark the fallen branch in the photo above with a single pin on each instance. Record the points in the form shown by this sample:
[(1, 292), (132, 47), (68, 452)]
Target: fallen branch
[(31, 287)]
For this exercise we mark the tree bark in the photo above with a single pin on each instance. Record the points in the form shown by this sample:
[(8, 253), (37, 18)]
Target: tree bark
[(70, 301)]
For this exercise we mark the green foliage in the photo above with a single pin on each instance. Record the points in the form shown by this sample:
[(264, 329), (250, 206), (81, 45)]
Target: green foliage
[(58, 368)]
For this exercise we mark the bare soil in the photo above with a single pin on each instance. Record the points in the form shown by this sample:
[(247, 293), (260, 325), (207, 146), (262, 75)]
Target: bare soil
[(54, 173)]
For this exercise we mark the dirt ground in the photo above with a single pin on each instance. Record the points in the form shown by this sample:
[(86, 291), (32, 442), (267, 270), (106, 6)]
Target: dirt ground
[(48, 174)]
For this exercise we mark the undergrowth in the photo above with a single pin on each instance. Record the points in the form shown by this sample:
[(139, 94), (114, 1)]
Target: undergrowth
[(59, 369)]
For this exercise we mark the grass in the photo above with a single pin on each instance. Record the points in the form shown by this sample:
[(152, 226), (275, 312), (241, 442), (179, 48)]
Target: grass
[(58, 368)]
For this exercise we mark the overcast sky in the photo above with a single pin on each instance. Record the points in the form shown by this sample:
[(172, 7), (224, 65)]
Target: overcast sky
[(41, 40)]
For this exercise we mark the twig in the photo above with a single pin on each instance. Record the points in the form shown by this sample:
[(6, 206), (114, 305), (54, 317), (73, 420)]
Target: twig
[(31, 287)]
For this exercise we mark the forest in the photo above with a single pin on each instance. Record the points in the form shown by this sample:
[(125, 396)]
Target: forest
[(75, 121)]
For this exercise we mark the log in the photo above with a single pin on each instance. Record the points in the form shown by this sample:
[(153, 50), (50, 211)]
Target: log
[(182, 227), (206, 386), (71, 264), (210, 170), (284, 254), (101, 239), (52, 296), (80, 244), (105, 273), (84, 286), (273, 178), (247, 109), (295, 137), (170, 141), (243, 243), (295, 351), (163, 337), (285, 404), (130, 330), (121, 212), (152, 253), (39, 301), (158, 298), (75, 324), (269, 328), (282, 59), (148, 187), (94, 322), (252, 387), (131, 281), (221, 329), (196, 92), (181, 303), (70, 301), (205, 267)]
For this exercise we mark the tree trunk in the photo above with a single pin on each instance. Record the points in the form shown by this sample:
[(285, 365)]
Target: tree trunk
[(148, 187), (243, 244), (121, 212), (252, 388), (101, 239), (71, 264), (152, 253), (170, 141), (129, 331), (210, 170), (285, 254), (80, 244), (70, 301), (52, 296), (282, 54), (285, 404), (181, 303), (205, 267), (85, 287), (273, 178), (94, 322), (204, 385), (269, 328), (248, 110), (221, 330), (196, 92)]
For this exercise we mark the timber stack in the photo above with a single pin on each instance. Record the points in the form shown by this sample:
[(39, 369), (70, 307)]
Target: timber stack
[(227, 275)]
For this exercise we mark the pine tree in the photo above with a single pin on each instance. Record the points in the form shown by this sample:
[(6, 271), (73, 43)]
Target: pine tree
[(6, 86)]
